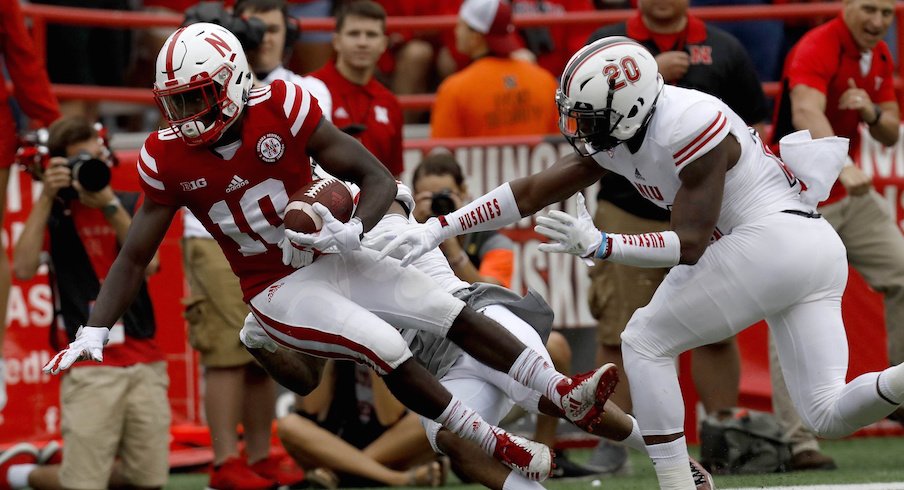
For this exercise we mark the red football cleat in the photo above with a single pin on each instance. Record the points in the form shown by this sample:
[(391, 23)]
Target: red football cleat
[(234, 474), (281, 469), (51, 454), (22, 453), (584, 396), (532, 459)]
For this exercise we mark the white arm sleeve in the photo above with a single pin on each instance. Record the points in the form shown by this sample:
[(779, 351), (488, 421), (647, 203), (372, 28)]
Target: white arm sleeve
[(659, 249), (490, 211)]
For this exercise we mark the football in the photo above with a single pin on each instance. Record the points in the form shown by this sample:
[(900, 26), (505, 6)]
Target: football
[(331, 192)]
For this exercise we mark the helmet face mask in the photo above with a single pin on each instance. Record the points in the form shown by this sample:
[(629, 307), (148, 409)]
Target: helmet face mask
[(203, 81), (607, 95)]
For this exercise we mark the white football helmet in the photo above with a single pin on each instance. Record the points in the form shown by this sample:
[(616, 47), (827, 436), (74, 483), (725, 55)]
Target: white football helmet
[(607, 94), (202, 82)]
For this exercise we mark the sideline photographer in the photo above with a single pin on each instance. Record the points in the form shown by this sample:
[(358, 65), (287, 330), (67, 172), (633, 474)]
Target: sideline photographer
[(119, 435)]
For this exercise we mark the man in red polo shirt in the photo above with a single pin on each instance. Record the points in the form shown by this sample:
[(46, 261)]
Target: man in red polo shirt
[(839, 75), (362, 106)]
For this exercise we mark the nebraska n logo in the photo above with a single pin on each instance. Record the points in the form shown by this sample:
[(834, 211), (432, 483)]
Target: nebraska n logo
[(217, 42)]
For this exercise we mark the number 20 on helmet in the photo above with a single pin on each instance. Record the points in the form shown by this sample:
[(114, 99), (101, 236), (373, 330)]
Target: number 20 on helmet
[(607, 94)]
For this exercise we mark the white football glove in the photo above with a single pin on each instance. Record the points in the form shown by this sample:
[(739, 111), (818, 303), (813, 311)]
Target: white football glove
[(295, 255), (576, 236), (2, 384), (418, 238), (88, 344), (344, 237), (254, 337)]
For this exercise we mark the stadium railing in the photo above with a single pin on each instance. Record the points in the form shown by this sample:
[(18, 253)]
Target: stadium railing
[(41, 15)]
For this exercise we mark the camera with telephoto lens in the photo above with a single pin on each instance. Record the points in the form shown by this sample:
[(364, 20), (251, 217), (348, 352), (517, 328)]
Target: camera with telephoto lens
[(92, 173), (442, 203), (250, 32)]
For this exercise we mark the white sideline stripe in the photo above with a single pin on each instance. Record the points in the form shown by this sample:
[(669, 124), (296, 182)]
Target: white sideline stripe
[(852, 486)]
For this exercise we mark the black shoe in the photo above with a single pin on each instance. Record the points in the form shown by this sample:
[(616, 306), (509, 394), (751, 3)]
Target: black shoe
[(566, 468)]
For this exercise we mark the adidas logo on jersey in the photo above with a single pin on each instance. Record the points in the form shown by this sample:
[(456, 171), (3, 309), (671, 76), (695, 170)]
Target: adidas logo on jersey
[(237, 183)]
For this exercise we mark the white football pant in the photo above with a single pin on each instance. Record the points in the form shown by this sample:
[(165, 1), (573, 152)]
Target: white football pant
[(785, 268), (347, 306)]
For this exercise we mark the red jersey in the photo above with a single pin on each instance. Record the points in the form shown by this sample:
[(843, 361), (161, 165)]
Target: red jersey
[(371, 109), (241, 200), (824, 59), (31, 87)]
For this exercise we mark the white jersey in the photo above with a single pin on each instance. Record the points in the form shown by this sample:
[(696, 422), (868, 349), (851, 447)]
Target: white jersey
[(686, 125)]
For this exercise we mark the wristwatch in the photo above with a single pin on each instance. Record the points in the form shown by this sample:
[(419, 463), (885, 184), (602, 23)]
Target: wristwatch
[(111, 207)]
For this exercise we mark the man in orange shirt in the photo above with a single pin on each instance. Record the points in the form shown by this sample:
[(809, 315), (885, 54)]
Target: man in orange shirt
[(495, 95)]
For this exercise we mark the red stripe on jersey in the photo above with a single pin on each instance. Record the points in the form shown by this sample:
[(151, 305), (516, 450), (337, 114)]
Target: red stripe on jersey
[(314, 335), (169, 54), (702, 143), (701, 135), (329, 355)]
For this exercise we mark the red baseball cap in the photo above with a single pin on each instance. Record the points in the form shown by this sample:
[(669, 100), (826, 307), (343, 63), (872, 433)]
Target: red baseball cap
[(493, 19)]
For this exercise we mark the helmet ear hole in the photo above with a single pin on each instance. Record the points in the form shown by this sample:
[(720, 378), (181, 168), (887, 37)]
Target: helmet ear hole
[(633, 111)]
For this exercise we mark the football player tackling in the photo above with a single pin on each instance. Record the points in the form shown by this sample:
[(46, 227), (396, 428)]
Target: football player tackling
[(744, 244), (232, 155)]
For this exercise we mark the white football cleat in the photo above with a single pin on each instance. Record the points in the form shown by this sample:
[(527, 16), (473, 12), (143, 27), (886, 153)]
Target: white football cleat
[(702, 479)]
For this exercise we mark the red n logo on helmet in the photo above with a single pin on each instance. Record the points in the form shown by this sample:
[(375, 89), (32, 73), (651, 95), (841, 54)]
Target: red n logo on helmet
[(218, 43)]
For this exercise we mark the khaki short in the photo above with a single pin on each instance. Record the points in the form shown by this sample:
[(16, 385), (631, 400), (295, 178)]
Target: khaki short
[(617, 290), (110, 412), (215, 311)]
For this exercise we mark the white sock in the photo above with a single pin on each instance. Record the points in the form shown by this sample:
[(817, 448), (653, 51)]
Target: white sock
[(532, 370), (468, 424), (891, 384), (634, 439), (671, 463), (517, 482), (17, 475)]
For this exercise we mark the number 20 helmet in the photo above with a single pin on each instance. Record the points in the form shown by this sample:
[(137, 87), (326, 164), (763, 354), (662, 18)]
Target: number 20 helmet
[(202, 82), (607, 94)]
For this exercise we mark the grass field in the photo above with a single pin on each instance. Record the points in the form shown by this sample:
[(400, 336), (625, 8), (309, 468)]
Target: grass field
[(877, 461)]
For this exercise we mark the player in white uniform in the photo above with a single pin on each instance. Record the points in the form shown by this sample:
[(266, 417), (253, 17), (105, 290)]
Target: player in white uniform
[(743, 246)]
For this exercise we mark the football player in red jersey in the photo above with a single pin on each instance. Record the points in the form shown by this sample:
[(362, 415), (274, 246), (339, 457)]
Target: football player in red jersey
[(232, 155)]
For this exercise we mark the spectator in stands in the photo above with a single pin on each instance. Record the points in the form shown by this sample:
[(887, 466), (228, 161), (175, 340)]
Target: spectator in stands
[(351, 432), (439, 188), (31, 90), (267, 60), (495, 95), (83, 55), (362, 106), (236, 388), (694, 55), (554, 45), (762, 39), (838, 76), (312, 49), (119, 433)]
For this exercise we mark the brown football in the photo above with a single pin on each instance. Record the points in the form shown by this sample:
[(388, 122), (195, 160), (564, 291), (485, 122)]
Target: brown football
[(332, 193)]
